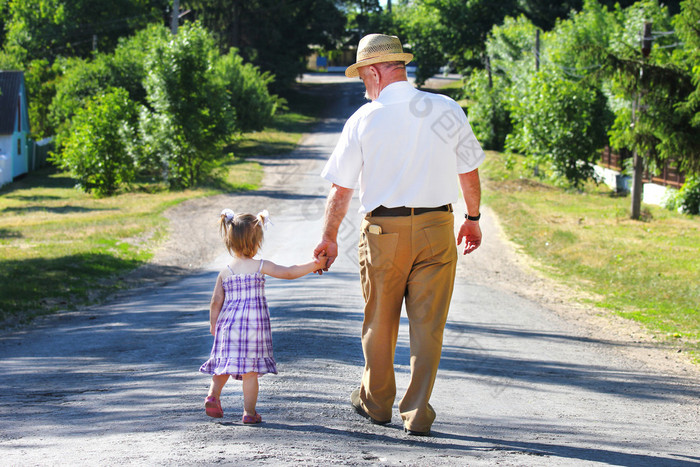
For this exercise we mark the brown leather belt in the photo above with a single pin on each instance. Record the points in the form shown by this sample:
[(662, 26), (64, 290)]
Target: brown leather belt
[(382, 211)]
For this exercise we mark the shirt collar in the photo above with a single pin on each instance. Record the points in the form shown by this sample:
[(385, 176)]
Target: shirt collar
[(397, 91)]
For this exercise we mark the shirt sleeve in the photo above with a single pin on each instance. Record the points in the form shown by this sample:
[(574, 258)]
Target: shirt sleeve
[(345, 164), (469, 152)]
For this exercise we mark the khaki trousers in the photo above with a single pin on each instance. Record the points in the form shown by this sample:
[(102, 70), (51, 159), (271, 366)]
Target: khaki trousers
[(413, 259)]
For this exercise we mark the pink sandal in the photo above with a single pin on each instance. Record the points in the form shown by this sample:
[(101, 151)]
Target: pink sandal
[(212, 407), (252, 419)]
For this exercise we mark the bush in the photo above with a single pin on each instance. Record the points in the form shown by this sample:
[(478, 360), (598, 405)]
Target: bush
[(95, 149), (687, 199), (561, 124), (80, 81), (189, 121), (247, 90), (488, 112)]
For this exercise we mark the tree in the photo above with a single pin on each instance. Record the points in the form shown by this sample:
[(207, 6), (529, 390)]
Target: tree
[(687, 27), (561, 124), (489, 115), (95, 149), (40, 78), (188, 122), (39, 29), (3, 16), (442, 31), (656, 118), (273, 35)]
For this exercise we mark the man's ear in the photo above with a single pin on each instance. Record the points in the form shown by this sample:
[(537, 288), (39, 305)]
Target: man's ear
[(375, 73)]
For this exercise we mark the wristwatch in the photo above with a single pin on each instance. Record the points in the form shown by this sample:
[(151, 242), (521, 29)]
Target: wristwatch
[(472, 218)]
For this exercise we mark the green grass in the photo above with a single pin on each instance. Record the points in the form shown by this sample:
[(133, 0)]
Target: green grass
[(648, 271), (61, 248)]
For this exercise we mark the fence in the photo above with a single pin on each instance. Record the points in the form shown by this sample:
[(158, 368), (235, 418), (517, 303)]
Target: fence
[(668, 176)]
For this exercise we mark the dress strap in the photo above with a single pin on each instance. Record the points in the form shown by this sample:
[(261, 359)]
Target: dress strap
[(229, 268), (260, 268)]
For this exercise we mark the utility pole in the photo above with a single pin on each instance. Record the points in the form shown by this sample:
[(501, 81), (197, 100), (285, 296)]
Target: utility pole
[(388, 6), (638, 159), (175, 17)]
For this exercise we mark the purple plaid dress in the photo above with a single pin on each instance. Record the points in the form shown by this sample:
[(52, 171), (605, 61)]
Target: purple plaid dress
[(243, 339)]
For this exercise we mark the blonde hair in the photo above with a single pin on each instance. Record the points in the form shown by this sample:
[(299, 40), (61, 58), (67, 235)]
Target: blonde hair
[(242, 233)]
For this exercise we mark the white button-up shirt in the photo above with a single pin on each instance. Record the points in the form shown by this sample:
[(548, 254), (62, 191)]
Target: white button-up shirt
[(405, 148)]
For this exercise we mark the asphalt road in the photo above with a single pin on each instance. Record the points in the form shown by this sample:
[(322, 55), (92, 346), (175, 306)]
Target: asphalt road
[(518, 384)]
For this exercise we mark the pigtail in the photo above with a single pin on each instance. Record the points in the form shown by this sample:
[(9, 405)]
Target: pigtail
[(263, 219), (226, 221)]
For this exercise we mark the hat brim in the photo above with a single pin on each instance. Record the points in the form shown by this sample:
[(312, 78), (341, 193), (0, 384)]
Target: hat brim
[(351, 71)]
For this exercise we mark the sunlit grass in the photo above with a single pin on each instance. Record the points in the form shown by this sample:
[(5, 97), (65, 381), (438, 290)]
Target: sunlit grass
[(646, 270)]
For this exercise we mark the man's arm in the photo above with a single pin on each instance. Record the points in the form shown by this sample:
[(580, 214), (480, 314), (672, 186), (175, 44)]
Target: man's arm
[(337, 206), (470, 230)]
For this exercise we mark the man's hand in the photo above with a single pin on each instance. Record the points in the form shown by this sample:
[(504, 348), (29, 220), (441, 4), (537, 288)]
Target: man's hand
[(330, 248), (471, 233)]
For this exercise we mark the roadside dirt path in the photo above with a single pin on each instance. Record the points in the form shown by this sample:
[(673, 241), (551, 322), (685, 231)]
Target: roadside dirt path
[(528, 377)]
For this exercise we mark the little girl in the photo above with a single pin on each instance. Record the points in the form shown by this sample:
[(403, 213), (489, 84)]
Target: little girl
[(239, 317)]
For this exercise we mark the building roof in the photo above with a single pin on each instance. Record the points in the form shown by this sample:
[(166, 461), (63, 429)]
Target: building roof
[(9, 90)]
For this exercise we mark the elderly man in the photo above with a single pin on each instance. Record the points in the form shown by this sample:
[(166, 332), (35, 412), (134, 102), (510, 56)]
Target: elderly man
[(407, 149)]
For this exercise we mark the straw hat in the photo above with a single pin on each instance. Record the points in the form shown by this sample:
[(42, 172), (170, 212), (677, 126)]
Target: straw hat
[(377, 48)]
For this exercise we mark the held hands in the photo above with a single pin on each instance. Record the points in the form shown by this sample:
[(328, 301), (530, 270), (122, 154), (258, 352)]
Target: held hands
[(471, 233), (321, 261), (327, 249)]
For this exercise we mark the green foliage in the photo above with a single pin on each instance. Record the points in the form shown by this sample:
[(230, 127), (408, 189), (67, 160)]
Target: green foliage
[(271, 34), (560, 124), (187, 93), (95, 149), (688, 56), (247, 90), (190, 122), (40, 78), (489, 115), (426, 35), (590, 63), (47, 29), (78, 80), (127, 64), (687, 199), (81, 80), (510, 48), (575, 44), (661, 87)]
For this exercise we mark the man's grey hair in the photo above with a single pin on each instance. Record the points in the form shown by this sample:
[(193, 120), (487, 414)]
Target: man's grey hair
[(391, 65)]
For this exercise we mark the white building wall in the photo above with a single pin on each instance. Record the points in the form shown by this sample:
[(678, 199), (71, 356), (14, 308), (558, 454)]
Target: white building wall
[(652, 193), (5, 159)]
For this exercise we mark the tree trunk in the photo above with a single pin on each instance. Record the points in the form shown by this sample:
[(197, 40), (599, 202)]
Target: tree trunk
[(637, 185)]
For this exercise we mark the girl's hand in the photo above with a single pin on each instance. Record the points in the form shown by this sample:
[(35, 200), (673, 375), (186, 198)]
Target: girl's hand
[(212, 329), (321, 260)]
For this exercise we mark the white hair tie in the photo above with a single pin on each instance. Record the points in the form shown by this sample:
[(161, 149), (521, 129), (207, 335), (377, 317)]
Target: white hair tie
[(265, 216), (229, 214)]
